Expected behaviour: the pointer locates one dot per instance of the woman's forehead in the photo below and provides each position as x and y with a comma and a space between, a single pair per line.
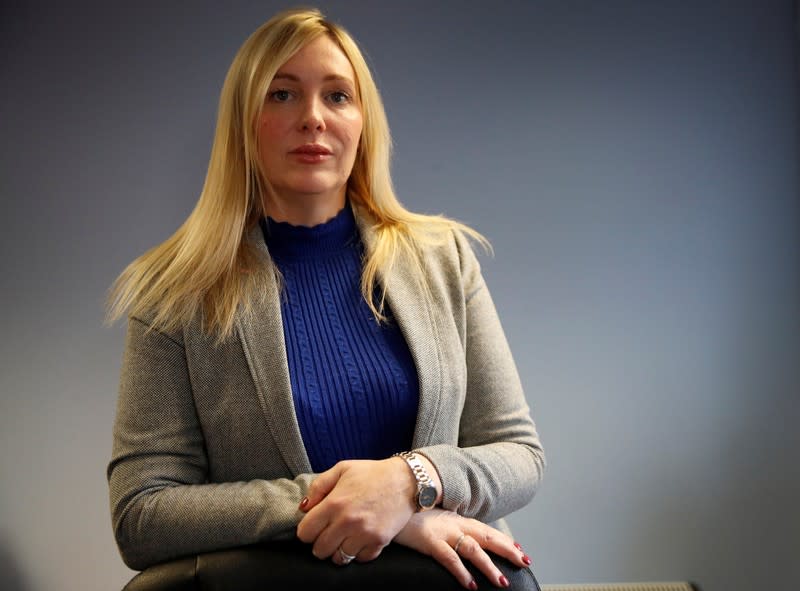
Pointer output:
321, 58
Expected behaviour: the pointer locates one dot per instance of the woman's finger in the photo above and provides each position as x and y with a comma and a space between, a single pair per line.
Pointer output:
326, 543
470, 549
312, 525
369, 553
342, 555
320, 487
496, 542
444, 554
332, 539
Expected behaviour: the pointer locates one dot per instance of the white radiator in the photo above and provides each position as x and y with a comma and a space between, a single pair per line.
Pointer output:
622, 587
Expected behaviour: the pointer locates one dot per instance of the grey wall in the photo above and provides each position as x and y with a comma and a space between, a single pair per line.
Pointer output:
635, 164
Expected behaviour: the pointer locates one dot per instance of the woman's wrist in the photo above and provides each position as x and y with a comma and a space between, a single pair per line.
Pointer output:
424, 476
433, 473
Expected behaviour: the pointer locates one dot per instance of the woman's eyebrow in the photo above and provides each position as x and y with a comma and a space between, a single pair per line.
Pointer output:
294, 78
283, 76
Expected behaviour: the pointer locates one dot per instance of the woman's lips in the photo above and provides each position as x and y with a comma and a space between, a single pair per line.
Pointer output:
311, 153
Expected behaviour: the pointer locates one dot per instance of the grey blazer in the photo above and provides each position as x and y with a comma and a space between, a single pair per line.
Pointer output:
207, 450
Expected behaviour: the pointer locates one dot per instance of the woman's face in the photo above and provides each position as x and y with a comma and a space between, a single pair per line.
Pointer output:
308, 132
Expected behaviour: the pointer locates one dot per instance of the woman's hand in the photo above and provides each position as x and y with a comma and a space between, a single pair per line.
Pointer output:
448, 538
356, 508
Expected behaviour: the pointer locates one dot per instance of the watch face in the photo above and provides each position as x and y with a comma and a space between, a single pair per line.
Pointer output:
427, 497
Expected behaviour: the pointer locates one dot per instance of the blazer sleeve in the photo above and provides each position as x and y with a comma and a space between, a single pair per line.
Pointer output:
498, 463
162, 504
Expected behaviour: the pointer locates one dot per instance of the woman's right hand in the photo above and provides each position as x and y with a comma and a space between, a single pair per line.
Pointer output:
449, 538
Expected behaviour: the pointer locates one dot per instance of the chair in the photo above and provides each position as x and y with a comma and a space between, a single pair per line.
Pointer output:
290, 565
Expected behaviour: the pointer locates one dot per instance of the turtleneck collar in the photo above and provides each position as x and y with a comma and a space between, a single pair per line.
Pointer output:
285, 240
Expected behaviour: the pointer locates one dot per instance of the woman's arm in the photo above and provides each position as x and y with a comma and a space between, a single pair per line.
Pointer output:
497, 465
498, 462
162, 505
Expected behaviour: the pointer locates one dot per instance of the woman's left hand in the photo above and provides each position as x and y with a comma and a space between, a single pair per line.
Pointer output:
356, 508
449, 539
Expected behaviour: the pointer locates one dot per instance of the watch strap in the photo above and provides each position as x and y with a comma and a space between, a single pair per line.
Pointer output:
421, 475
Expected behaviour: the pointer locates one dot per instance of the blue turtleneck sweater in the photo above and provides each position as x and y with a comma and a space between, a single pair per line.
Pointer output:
354, 382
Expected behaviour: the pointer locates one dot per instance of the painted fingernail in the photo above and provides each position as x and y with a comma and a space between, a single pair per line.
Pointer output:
304, 502
517, 546
504, 581
473, 585
526, 559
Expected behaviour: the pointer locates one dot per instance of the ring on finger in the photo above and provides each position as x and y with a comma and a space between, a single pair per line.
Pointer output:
458, 542
346, 558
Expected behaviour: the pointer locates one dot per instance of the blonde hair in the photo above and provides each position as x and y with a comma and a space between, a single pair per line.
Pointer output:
205, 267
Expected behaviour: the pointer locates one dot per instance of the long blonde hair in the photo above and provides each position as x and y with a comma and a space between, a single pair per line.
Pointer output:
203, 268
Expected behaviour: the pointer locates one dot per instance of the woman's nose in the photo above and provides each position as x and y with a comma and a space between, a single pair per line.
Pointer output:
312, 117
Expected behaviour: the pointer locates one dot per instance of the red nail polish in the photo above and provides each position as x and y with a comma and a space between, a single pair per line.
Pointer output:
304, 502
517, 546
504, 581
473, 585
526, 559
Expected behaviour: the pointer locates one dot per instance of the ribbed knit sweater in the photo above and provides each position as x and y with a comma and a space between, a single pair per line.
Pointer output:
354, 383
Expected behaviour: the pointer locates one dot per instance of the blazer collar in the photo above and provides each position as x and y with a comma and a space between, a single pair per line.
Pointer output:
261, 333
414, 316
260, 330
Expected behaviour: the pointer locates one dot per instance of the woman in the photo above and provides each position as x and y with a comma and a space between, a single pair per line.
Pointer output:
301, 329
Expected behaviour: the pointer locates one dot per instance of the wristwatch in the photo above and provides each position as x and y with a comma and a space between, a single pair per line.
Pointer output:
426, 489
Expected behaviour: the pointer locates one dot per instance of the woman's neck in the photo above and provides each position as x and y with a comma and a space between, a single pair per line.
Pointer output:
307, 210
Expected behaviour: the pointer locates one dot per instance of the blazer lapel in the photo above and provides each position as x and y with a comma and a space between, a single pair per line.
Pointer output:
261, 334
408, 304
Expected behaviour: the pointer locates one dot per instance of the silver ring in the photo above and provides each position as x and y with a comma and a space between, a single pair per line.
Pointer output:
346, 558
458, 542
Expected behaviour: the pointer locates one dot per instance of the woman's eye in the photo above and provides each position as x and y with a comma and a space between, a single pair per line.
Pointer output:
280, 96
339, 97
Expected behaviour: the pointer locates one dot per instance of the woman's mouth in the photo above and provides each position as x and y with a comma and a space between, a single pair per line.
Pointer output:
311, 153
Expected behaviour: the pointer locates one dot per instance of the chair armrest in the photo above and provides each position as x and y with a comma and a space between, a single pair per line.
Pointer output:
290, 565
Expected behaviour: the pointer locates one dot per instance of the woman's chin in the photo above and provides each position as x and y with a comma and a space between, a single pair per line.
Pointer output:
314, 188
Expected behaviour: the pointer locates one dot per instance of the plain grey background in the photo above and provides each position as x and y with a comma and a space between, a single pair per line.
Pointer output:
634, 163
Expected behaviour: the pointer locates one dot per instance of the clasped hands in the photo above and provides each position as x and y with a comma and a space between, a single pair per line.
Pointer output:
356, 508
